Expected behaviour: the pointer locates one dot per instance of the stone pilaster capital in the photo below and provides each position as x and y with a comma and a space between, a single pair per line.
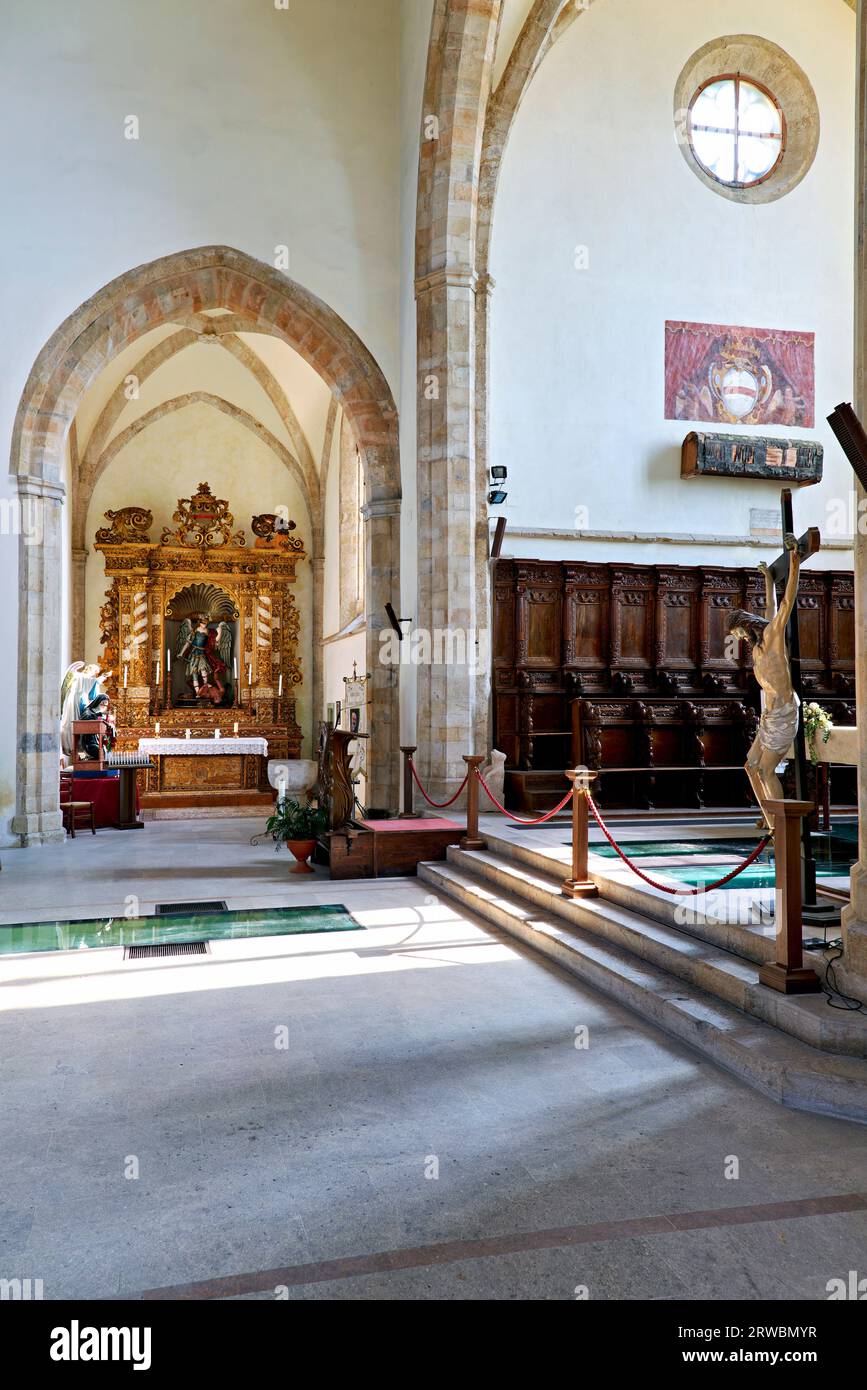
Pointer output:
51, 489
446, 277
381, 506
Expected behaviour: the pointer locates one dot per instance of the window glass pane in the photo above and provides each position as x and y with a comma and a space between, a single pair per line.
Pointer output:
720, 134
755, 158
758, 114
716, 152
716, 106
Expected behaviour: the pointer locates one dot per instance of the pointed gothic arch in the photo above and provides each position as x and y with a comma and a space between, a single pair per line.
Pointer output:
262, 300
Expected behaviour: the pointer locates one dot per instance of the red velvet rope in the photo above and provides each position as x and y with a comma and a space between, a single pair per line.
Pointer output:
520, 821
676, 892
440, 805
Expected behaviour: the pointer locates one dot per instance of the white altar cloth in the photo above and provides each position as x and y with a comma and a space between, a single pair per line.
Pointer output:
204, 747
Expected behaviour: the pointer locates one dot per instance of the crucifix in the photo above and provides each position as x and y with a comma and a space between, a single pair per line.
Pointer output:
778, 573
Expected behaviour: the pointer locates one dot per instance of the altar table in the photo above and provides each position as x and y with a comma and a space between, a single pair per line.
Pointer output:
207, 768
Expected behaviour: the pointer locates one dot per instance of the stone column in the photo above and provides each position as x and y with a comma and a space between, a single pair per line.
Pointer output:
855, 916
447, 526
37, 819
382, 585
317, 711
79, 568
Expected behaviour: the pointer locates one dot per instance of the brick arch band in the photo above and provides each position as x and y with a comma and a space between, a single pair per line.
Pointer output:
161, 292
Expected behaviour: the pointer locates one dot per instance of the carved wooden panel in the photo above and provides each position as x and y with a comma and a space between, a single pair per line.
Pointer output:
202, 773
587, 592
538, 615
632, 618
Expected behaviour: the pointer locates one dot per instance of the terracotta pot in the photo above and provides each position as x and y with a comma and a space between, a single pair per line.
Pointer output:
302, 850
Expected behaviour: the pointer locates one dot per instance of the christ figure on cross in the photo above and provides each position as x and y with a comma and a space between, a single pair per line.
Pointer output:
766, 638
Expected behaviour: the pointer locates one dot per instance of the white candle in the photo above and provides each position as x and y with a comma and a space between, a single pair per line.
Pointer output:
157, 727
235, 727
216, 733
280, 686
159, 671
186, 733
125, 676
250, 673
168, 659
235, 667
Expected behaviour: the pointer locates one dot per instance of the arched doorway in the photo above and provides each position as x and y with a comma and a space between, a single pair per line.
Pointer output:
166, 291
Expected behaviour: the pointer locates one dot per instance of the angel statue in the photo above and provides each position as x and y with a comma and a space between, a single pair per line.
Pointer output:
82, 685
207, 650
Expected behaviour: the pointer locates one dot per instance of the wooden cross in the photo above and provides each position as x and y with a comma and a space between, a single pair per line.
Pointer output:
808, 545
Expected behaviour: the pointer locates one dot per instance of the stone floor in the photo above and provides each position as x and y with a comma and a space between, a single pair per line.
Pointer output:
429, 1129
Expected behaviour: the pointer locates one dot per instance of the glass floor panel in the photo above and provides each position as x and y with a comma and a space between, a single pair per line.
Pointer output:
95, 932
834, 855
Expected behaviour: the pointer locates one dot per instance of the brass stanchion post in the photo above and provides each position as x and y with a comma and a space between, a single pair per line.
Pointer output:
580, 885
471, 839
407, 813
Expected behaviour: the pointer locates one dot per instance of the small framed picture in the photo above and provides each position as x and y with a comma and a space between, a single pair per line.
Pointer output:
354, 720
338, 707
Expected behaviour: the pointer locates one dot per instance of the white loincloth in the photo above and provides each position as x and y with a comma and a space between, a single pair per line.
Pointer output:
778, 726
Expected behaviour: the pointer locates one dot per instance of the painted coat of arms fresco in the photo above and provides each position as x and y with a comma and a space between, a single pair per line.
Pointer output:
739, 376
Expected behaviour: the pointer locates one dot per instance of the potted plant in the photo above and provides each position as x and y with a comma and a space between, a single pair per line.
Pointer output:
296, 826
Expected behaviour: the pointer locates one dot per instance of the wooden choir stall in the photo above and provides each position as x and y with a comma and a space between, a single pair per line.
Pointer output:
629, 670
200, 632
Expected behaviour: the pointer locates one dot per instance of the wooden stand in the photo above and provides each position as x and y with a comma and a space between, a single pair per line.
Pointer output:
471, 839
788, 974
95, 727
126, 811
580, 885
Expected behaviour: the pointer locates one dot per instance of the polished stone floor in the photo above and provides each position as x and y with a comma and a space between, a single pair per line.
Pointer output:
398, 1113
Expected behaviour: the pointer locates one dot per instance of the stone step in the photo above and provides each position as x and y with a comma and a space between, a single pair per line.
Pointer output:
638, 897
728, 977
775, 1063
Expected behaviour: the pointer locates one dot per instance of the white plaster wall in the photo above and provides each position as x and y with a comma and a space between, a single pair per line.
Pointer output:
259, 127
169, 460
337, 663
578, 356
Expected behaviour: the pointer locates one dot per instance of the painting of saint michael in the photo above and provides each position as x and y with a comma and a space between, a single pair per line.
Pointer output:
739, 376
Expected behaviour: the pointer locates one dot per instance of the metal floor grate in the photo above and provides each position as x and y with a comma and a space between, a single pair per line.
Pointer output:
182, 909
166, 948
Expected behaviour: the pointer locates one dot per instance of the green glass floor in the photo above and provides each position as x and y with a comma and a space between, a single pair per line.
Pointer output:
95, 932
834, 855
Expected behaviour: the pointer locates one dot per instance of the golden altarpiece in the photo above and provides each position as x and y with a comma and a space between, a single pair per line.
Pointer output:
201, 583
